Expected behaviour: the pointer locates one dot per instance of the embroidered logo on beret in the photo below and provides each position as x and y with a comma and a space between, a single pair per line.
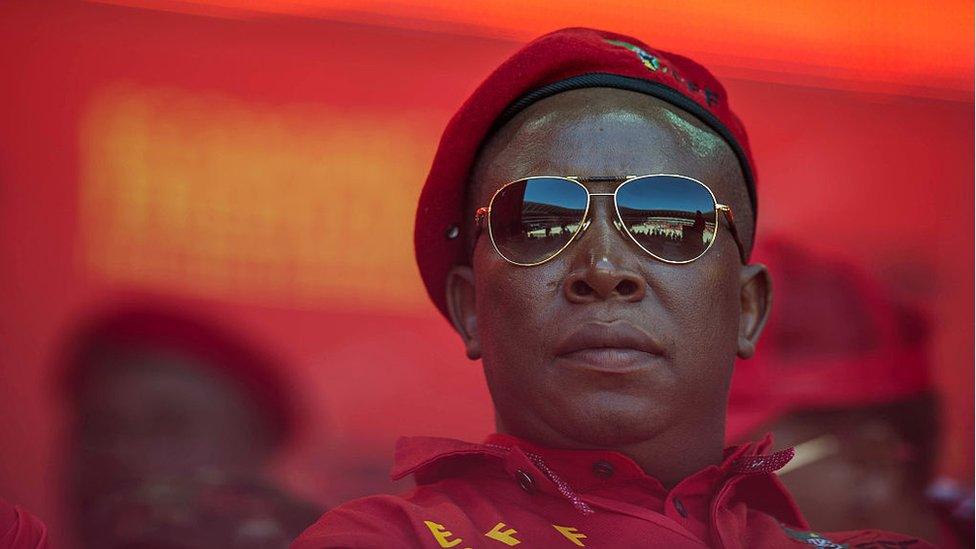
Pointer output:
650, 61
653, 63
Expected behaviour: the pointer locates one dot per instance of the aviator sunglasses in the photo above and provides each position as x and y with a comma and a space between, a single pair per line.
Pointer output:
674, 218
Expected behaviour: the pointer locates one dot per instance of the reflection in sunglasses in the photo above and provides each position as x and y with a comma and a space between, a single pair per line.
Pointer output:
674, 229
541, 221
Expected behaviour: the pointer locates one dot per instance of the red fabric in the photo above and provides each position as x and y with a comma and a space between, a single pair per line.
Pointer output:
20, 529
477, 495
834, 339
551, 58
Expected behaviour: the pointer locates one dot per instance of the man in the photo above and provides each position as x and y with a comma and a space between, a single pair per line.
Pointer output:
577, 229
854, 398
175, 420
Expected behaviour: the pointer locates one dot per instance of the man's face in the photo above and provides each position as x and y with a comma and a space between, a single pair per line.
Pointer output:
152, 413
604, 345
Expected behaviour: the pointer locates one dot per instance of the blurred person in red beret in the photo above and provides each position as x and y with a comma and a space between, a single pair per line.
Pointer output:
586, 228
842, 375
174, 421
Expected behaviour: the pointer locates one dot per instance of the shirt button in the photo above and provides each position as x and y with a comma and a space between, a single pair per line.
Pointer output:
603, 469
680, 507
525, 481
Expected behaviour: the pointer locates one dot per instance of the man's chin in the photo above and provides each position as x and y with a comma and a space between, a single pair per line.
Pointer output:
613, 427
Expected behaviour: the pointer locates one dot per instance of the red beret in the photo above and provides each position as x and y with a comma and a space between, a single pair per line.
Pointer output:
834, 339
163, 326
560, 61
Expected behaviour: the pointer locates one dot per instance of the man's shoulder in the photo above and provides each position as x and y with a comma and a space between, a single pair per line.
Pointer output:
373, 521
386, 521
859, 539
868, 539
452, 480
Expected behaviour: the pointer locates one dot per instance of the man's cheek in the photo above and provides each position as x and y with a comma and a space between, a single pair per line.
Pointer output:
507, 292
707, 317
500, 314
714, 294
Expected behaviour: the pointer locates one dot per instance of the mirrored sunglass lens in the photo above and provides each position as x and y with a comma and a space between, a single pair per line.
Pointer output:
672, 217
531, 220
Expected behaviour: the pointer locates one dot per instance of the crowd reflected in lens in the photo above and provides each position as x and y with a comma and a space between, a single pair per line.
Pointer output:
533, 219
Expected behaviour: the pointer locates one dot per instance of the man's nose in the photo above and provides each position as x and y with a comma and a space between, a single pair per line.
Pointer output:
603, 262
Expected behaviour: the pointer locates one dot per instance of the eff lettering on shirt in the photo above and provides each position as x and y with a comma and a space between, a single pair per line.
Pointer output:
499, 533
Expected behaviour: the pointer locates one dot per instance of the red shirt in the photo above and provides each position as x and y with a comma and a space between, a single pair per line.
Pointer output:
507, 491
20, 529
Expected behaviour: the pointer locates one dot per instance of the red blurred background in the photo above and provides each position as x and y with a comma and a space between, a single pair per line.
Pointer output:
257, 164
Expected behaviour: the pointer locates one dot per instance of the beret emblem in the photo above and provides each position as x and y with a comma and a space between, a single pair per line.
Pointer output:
654, 64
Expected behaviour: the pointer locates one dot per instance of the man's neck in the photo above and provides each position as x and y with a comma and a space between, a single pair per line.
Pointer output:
672, 457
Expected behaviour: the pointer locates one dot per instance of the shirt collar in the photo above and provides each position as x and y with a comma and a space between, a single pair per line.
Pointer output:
576, 474
419, 455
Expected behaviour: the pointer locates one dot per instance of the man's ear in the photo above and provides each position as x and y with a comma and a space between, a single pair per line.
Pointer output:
461, 307
756, 296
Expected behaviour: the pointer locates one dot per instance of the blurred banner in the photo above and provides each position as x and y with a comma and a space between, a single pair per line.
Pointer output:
255, 166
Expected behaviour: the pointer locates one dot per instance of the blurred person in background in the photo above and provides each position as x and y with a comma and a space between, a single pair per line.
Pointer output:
174, 422
577, 230
842, 375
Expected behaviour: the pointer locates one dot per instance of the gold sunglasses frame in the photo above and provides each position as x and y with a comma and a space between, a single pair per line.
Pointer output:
482, 217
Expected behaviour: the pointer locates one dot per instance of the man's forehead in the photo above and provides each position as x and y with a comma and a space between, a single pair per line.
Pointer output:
601, 131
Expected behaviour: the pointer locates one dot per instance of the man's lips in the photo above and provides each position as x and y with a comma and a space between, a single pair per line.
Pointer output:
616, 347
